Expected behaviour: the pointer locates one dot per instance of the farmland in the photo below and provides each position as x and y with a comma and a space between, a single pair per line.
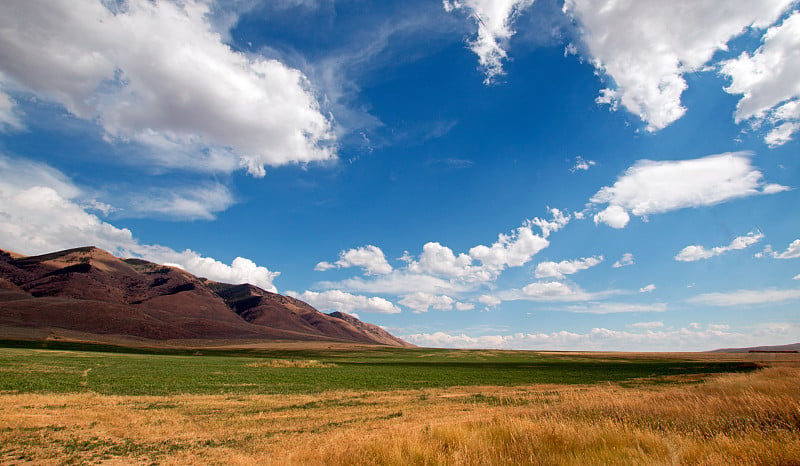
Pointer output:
72, 403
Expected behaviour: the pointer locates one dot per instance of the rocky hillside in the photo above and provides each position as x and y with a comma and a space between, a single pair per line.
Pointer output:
90, 291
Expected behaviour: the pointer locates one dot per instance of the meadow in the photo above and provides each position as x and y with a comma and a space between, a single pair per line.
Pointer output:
74, 404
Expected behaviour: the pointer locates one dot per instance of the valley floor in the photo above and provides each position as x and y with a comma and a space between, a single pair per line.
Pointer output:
735, 418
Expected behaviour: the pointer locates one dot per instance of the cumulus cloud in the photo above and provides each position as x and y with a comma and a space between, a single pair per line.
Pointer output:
745, 297
696, 252
438, 269
792, 252
323, 266
559, 221
690, 338
624, 261
560, 269
370, 258
647, 289
613, 216
398, 282
489, 300
582, 164
336, 300
512, 250
43, 211
551, 291
440, 260
495, 19
157, 73
464, 306
650, 187
646, 46
421, 302
767, 81
241, 270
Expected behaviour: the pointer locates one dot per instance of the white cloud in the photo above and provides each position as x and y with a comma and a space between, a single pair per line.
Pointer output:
553, 291
439, 270
696, 252
745, 297
370, 258
767, 81
690, 338
185, 203
797, 277
241, 270
650, 187
613, 216
512, 250
42, 212
782, 134
323, 266
560, 269
494, 19
157, 73
9, 116
397, 282
718, 327
647, 325
792, 252
582, 164
647, 289
336, 300
440, 260
615, 308
489, 300
548, 291
646, 46
767, 252
421, 302
464, 306
624, 261
559, 221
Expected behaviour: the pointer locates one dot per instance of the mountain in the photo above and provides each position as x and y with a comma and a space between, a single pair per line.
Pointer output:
794, 347
90, 291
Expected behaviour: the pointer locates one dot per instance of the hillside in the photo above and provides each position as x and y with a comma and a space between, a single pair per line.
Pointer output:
795, 347
90, 291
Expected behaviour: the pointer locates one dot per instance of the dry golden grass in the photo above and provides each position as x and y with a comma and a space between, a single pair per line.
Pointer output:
731, 419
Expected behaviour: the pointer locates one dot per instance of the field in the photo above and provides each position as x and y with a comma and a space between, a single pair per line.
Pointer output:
73, 404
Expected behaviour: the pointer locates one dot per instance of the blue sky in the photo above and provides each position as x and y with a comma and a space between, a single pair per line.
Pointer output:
610, 175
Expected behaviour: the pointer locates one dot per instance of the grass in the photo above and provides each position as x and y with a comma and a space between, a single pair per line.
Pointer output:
55, 371
394, 407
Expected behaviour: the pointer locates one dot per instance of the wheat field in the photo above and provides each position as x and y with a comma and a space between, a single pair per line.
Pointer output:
743, 418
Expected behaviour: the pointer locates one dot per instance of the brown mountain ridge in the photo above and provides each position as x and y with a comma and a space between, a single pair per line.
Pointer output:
88, 291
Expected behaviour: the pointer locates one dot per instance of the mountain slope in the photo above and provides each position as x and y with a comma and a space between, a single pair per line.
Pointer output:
91, 291
794, 347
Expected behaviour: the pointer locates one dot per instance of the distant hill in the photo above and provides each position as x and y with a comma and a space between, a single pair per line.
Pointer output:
89, 291
781, 348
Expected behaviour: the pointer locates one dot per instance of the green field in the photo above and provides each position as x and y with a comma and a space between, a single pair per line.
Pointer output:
70, 368
73, 403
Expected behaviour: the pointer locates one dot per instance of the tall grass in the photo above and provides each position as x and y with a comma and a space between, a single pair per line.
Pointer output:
733, 419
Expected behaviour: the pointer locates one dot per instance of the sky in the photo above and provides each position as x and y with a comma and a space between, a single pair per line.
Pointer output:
521, 174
